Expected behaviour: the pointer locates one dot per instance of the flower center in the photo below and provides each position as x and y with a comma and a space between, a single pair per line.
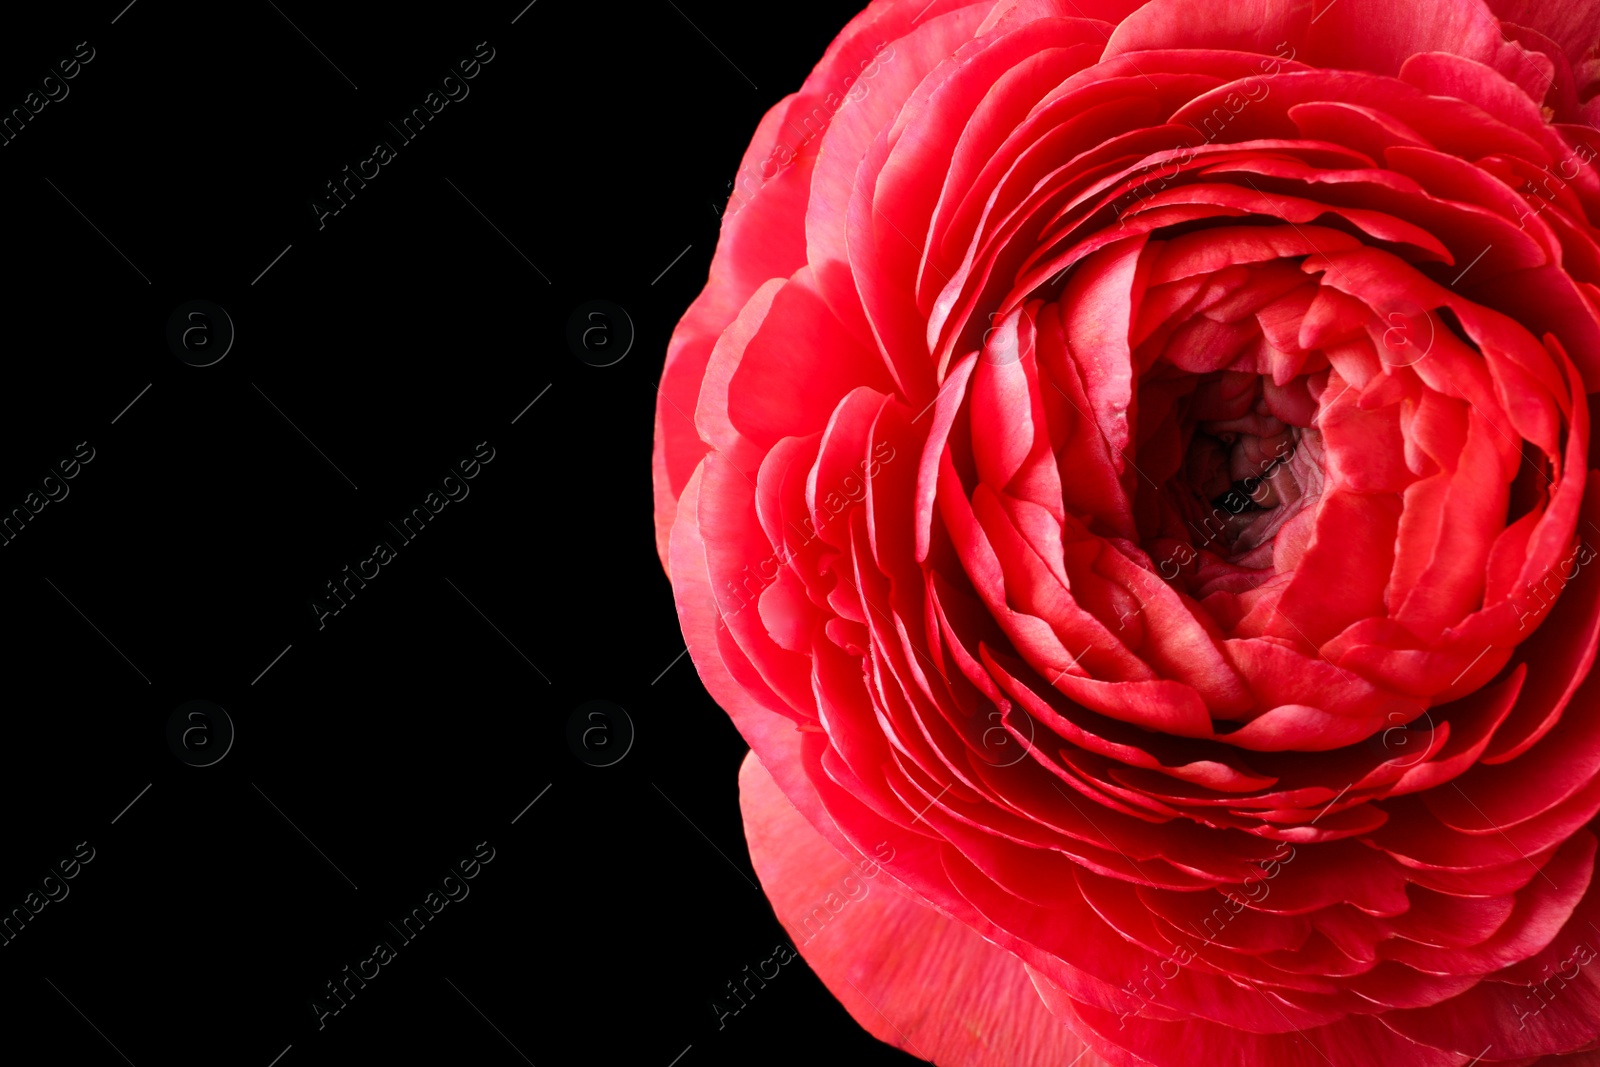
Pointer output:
1245, 473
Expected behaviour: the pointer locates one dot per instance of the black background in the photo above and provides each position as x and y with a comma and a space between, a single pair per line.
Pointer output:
371, 355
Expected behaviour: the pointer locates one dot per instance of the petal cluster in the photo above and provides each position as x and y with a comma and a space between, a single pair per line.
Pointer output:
1133, 463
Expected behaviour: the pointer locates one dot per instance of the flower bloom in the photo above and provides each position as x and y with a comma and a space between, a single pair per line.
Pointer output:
1130, 464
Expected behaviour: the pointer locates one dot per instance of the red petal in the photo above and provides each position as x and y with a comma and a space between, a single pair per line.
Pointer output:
910, 976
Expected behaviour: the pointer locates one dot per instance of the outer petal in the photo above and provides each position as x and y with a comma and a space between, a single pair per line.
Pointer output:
763, 237
910, 976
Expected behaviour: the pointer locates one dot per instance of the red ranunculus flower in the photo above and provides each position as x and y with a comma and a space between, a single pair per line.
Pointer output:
1127, 477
